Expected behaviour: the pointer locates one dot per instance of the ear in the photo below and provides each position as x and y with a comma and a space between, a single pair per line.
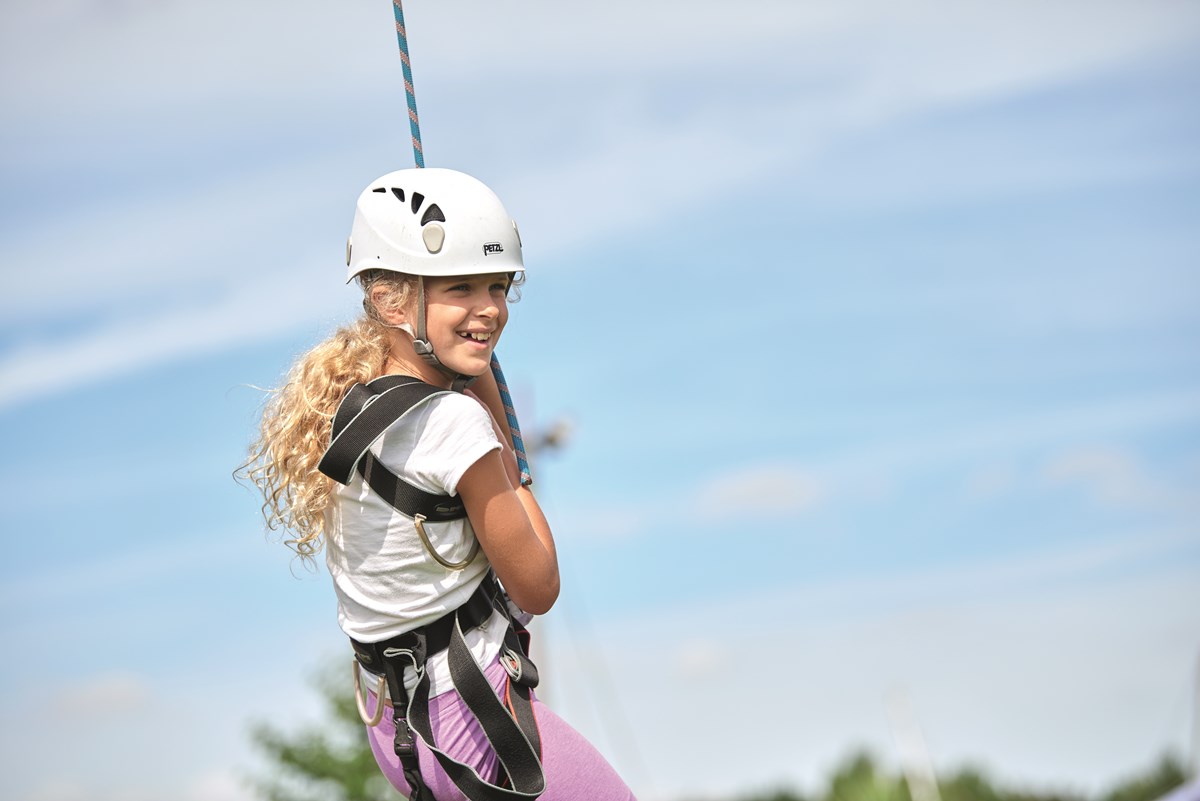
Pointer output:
391, 316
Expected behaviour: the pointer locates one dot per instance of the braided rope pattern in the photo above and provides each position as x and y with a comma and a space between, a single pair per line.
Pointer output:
511, 414
409, 93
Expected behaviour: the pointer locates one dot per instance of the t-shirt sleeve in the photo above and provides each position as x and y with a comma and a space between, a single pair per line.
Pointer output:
455, 434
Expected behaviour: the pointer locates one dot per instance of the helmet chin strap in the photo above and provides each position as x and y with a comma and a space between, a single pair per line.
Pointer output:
423, 348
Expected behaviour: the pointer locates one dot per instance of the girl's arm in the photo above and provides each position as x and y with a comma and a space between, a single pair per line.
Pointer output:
512, 531
507, 519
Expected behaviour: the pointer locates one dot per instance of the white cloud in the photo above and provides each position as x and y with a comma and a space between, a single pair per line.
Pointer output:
756, 491
218, 785
41, 368
701, 657
905, 48
600, 523
1000, 436
107, 695
990, 481
96, 577
1108, 474
61, 790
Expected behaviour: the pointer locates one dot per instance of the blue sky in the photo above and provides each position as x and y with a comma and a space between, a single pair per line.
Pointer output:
875, 326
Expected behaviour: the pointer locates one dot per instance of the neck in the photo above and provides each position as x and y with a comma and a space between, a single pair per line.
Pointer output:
402, 360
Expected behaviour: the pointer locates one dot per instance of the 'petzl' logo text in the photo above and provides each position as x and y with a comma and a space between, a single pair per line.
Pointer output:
492, 247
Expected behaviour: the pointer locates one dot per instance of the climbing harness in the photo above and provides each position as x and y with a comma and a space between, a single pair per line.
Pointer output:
364, 414
509, 725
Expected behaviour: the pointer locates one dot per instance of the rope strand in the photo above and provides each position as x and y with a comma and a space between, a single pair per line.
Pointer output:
511, 414
410, 94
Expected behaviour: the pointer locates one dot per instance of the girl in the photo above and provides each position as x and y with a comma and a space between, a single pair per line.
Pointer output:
429, 507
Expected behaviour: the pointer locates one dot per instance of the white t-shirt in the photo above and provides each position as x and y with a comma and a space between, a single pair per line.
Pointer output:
385, 581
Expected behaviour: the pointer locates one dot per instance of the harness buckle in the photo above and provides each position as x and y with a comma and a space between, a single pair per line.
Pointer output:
404, 744
513, 664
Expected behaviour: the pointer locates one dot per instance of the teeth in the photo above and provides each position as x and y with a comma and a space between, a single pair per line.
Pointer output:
479, 337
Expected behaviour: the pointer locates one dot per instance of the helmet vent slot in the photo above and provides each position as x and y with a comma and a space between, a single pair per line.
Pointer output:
432, 213
417, 200
399, 193
380, 189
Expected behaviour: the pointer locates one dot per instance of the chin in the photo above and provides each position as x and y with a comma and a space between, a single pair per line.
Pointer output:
473, 368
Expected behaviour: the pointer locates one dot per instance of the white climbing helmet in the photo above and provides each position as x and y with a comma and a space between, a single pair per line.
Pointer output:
432, 222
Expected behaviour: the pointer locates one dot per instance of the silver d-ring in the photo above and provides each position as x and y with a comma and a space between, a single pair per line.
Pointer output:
361, 701
419, 521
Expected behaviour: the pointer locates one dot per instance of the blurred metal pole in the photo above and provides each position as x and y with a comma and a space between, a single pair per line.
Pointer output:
1194, 771
541, 441
914, 755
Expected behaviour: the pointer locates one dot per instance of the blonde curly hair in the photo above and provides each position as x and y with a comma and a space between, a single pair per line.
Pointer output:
296, 420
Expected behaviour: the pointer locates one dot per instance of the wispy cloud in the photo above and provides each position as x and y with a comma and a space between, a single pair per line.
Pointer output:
103, 696
1110, 475
768, 490
790, 82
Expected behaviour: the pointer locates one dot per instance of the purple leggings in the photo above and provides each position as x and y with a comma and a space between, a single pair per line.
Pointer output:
574, 769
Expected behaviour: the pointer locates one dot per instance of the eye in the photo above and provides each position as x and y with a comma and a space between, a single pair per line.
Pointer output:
500, 286
463, 287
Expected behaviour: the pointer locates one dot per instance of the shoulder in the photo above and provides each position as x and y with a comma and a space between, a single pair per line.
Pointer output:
454, 408
455, 421
455, 431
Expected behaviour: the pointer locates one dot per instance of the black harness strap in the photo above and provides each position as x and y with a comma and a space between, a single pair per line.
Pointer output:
513, 735
363, 415
518, 750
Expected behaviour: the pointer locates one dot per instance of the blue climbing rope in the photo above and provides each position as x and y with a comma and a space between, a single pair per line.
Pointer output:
410, 94
511, 414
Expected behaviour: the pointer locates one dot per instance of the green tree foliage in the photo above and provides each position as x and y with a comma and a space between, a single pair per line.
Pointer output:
860, 778
332, 762
327, 762
1155, 783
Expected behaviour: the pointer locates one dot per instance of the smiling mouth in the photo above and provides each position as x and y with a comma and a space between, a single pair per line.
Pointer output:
480, 336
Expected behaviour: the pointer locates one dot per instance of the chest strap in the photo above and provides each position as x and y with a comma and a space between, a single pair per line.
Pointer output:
366, 412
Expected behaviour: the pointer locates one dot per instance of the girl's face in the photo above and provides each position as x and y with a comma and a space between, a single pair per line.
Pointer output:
464, 316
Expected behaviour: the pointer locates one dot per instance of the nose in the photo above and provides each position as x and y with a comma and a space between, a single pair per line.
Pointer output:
487, 306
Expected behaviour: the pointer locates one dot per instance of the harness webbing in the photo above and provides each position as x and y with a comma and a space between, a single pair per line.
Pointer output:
509, 723
366, 412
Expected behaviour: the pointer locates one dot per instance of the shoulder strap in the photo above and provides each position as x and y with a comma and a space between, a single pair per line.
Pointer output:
363, 415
